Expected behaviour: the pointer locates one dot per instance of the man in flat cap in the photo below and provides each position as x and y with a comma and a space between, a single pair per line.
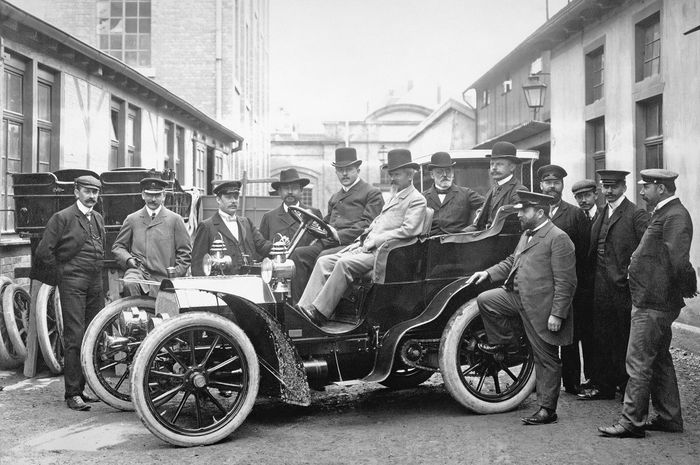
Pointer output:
244, 243
504, 160
573, 222
350, 211
401, 218
279, 222
454, 206
151, 240
585, 193
614, 236
72, 251
539, 281
657, 276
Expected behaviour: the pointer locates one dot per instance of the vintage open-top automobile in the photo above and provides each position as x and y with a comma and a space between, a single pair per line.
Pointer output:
193, 361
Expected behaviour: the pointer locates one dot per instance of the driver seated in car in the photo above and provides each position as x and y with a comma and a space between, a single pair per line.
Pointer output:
402, 217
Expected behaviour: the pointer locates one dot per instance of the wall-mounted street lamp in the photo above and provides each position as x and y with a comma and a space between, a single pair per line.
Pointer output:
534, 95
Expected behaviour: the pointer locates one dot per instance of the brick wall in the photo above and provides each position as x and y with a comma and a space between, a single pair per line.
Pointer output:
13, 256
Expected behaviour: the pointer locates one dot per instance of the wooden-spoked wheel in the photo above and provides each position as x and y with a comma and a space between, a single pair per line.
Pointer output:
49, 327
15, 308
9, 355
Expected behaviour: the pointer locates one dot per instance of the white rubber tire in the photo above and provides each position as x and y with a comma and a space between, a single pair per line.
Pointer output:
9, 357
50, 334
16, 319
149, 349
91, 339
450, 367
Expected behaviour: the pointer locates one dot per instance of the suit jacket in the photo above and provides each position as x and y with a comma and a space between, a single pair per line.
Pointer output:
278, 221
401, 218
351, 212
657, 264
455, 213
157, 243
251, 243
627, 226
496, 197
572, 220
545, 275
64, 236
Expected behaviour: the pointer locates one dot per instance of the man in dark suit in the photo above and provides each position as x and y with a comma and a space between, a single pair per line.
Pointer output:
573, 222
585, 192
453, 206
244, 243
615, 234
539, 286
151, 240
504, 160
279, 222
657, 270
350, 211
72, 250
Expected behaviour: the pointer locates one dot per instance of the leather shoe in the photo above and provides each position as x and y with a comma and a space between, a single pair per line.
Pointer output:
88, 398
619, 431
77, 403
498, 348
657, 424
595, 394
316, 317
541, 417
572, 389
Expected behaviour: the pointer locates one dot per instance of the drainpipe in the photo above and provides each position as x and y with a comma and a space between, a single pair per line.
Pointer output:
219, 53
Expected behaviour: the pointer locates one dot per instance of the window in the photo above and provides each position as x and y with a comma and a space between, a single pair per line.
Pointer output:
507, 85
12, 127
115, 134
595, 146
199, 163
169, 143
307, 196
124, 30
133, 137
595, 64
652, 144
218, 165
180, 154
536, 66
45, 110
648, 47
485, 98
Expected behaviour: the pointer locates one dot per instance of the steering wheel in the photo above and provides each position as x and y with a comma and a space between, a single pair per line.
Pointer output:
313, 224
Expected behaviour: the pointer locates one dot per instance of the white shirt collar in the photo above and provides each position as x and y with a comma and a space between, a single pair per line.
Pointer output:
351, 185
286, 207
226, 217
504, 180
540, 226
616, 203
593, 210
156, 211
664, 202
83, 209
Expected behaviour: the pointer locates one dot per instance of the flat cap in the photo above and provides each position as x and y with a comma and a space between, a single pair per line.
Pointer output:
551, 172
504, 150
656, 176
227, 187
612, 176
88, 181
153, 185
533, 199
584, 185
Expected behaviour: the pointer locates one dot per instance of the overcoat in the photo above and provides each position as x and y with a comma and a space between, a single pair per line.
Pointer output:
496, 197
251, 243
279, 221
545, 276
456, 212
657, 264
574, 223
352, 211
158, 243
401, 218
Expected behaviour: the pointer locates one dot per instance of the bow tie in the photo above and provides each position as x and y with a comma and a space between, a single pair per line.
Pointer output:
529, 232
442, 191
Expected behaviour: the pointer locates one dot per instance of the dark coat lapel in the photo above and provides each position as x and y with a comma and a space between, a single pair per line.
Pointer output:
285, 217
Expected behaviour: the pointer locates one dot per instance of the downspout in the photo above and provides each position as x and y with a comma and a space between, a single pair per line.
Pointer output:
219, 59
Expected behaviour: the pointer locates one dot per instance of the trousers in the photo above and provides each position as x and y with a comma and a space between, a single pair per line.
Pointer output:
304, 259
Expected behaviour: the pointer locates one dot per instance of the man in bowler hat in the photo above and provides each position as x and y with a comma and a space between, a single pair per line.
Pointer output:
279, 222
454, 206
72, 250
350, 211
502, 166
151, 240
401, 218
539, 281
656, 276
244, 243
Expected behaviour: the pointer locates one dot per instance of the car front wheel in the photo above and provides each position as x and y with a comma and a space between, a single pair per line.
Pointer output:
482, 382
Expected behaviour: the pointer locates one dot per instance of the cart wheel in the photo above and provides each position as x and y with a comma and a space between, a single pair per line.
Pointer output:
195, 379
479, 381
49, 327
15, 309
9, 357
107, 351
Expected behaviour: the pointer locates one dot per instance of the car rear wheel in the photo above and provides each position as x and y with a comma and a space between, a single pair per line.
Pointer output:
482, 382
49, 327
195, 379
108, 350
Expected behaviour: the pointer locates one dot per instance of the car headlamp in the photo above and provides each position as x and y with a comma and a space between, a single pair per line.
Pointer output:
266, 270
216, 262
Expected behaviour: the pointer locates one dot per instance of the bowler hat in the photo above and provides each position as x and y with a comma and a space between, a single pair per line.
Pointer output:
612, 176
533, 199
289, 176
657, 176
504, 150
551, 172
88, 181
399, 158
346, 156
153, 185
227, 187
584, 185
440, 160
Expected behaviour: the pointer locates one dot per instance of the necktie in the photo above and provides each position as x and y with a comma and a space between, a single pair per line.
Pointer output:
588, 214
88, 215
153, 216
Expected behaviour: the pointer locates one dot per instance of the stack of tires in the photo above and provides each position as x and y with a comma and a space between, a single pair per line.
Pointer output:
14, 323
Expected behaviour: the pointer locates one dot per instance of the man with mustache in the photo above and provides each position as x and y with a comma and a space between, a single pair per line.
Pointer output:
504, 160
573, 222
279, 222
70, 255
401, 218
151, 240
350, 211
614, 236
453, 206
539, 281
585, 193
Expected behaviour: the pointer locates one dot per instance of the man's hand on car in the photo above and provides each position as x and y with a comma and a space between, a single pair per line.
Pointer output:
477, 278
